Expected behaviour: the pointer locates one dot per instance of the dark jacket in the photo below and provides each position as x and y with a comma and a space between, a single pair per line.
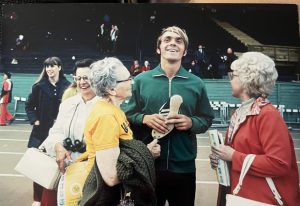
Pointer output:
201, 58
135, 169
42, 105
150, 91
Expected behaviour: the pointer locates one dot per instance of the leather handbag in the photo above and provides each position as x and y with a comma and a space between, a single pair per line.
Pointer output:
234, 200
39, 167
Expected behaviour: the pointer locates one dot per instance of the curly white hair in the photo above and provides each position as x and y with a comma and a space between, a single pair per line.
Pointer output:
256, 72
103, 75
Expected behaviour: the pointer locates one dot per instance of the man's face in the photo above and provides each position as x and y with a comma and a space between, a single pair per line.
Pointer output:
172, 47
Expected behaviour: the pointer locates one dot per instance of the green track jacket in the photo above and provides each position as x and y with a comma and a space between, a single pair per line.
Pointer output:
150, 91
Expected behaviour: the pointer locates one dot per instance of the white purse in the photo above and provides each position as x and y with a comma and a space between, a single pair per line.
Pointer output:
234, 200
39, 167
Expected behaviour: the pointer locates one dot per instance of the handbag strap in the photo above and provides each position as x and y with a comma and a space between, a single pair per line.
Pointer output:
274, 190
246, 166
72, 122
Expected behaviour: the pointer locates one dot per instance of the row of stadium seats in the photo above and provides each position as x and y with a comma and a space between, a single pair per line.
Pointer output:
224, 110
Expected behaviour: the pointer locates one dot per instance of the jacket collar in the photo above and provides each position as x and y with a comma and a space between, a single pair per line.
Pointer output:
47, 87
78, 99
182, 73
253, 110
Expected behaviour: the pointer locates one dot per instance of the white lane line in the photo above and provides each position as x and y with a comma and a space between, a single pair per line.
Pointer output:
16, 140
202, 160
203, 146
12, 153
11, 175
197, 182
206, 146
14, 130
207, 160
207, 182
201, 137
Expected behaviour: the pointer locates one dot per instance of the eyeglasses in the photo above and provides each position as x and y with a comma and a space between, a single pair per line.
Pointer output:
78, 78
231, 75
125, 80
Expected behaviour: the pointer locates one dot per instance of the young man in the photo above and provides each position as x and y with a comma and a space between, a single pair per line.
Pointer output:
151, 90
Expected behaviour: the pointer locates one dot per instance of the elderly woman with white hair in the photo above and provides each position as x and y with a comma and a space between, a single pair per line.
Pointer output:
257, 128
107, 123
107, 126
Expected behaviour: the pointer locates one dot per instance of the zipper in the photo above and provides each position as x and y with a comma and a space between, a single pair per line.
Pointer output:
170, 92
170, 81
168, 154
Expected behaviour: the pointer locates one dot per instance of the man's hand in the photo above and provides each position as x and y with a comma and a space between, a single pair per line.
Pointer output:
180, 121
223, 152
37, 122
61, 155
156, 122
154, 148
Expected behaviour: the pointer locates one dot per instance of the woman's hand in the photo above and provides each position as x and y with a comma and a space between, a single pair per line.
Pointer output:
154, 148
61, 155
223, 152
213, 161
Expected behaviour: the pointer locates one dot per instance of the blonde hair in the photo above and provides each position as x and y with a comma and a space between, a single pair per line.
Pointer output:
177, 30
256, 72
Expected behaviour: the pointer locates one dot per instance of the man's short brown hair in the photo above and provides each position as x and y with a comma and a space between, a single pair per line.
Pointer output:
177, 30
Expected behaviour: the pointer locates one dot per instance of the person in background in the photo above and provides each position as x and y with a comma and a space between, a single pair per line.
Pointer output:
101, 36
5, 99
65, 140
42, 107
135, 69
219, 65
201, 60
175, 168
114, 35
192, 67
229, 58
258, 128
146, 66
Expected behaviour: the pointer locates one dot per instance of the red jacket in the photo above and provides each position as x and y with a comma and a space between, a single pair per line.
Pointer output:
6, 92
267, 136
145, 68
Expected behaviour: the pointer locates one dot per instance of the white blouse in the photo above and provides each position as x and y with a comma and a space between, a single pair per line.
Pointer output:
70, 122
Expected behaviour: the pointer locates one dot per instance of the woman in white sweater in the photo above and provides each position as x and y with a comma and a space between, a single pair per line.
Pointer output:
65, 139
